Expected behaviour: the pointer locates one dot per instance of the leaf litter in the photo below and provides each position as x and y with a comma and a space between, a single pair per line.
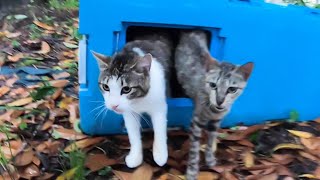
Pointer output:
39, 116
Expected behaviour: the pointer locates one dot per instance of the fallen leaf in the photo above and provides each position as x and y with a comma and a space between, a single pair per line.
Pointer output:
207, 175
64, 104
317, 172
272, 176
310, 176
308, 156
20, 16
311, 143
4, 90
56, 94
13, 35
21, 102
70, 45
68, 175
11, 81
61, 75
73, 112
15, 57
68, 134
122, 175
24, 158
144, 172
59, 83
48, 124
83, 143
45, 176
36, 161
229, 176
301, 134
43, 25
248, 159
287, 146
96, 162
45, 48
30, 171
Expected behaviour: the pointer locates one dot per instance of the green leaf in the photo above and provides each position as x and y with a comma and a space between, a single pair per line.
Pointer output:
15, 44
69, 45
55, 134
23, 125
294, 116
253, 137
20, 16
42, 92
105, 171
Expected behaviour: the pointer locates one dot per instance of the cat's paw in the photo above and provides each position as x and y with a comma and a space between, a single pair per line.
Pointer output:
160, 154
133, 159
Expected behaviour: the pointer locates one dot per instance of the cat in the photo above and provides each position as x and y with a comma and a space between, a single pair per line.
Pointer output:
133, 81
212, 85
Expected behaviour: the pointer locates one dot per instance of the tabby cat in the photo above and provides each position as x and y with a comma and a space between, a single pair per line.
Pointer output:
133, 82
212, 85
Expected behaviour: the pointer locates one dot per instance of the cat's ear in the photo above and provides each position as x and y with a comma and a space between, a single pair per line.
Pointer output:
144, 63
246, 69
210, 62
102, 60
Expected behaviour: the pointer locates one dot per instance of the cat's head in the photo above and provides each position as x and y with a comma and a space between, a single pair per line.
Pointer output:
225, 82
123, 78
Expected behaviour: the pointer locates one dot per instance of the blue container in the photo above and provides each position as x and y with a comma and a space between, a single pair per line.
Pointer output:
284, 43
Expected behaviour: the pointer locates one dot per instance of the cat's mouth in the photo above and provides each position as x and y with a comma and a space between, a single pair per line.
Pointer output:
217, 108
118, 111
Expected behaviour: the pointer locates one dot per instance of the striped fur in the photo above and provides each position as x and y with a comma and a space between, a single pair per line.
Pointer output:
213, 86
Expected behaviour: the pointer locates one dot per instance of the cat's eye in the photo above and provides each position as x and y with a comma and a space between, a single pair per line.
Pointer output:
105, 87
232, 90
213, 85
125, 90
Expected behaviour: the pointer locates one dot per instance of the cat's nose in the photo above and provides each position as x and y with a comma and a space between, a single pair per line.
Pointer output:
114, 107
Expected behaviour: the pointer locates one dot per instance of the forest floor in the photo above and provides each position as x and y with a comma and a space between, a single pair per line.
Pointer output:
39, 116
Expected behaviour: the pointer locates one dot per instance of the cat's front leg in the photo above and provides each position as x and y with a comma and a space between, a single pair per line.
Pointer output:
211, 129
135, 156
160, 149
194, 152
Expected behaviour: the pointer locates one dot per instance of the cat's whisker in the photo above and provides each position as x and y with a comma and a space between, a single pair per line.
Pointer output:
141, 116
96, 108
104, 115
97, 101
138, 121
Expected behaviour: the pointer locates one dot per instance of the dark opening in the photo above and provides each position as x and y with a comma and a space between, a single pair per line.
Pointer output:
138, 32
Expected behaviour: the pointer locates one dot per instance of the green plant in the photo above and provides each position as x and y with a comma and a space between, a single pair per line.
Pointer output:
4, 162
35, 32
15, 43
77, 161
64, 4
42, 92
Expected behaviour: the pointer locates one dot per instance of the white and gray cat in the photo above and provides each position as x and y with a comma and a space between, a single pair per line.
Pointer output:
133, 82
213, 86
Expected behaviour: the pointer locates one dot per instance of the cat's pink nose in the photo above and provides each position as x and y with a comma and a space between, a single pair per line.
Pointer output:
114, 107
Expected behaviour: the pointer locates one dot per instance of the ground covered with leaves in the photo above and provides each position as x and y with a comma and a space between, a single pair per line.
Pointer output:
39, 116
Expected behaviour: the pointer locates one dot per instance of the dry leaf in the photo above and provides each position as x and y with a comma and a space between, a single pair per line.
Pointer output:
73, 112
96, 162
4, 90
68, 134
30, 171
207, 175
301, 134
83, 143
36, 161
248, 159
229, 176
287, 146
310, 176
61, 75
311, 143
45, 48
317, 172
11, 81
24, 158
144, 172
59, 83
308, 156
68, 175
122, 175
13, 35
15, 57
272, 176
21, 102
56, 94
43, 25
64, 104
